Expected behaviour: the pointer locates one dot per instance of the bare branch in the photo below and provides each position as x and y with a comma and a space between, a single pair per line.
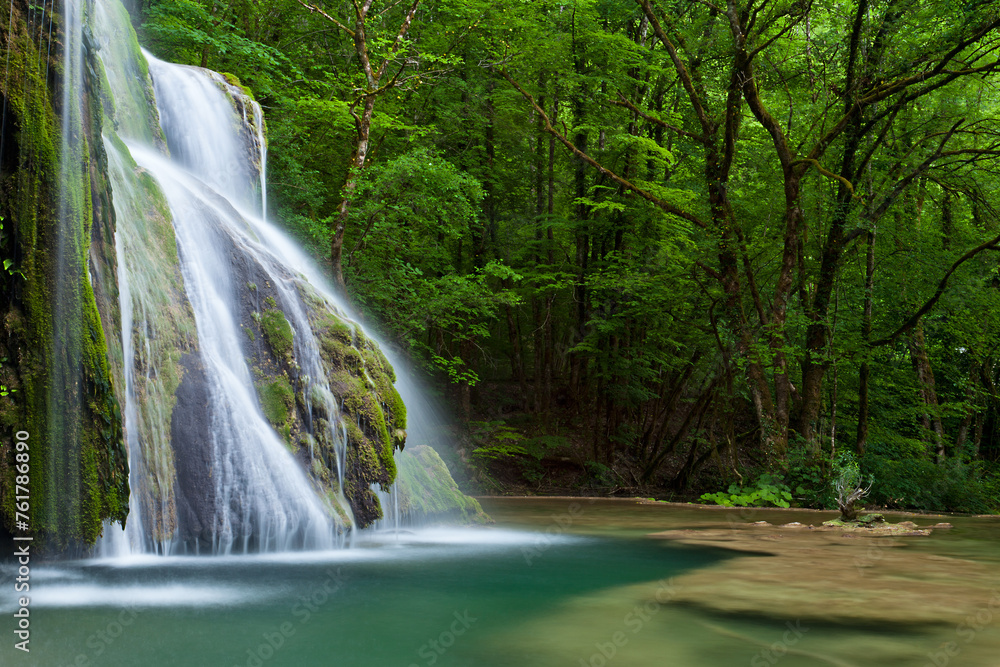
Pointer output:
992, 244
623, 102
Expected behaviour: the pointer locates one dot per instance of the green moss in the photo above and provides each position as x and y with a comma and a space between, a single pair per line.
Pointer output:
319, 470
234, 80
372, 411
398, 408
386, 449
278, 333
334, 502
355, 436
307, 441
276, 400
146, 233
66, 399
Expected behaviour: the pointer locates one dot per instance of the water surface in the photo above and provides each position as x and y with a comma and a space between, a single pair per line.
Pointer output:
556, 582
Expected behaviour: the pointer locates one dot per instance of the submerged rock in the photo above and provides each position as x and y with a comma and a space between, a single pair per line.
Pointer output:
876, 525
820, 577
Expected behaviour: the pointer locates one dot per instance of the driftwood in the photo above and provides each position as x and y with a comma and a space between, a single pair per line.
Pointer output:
849, 492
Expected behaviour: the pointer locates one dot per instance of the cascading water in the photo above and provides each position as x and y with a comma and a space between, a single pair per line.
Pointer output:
260, 416
64, 409
256, 496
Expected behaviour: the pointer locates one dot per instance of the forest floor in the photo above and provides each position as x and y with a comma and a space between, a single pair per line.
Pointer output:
511, 448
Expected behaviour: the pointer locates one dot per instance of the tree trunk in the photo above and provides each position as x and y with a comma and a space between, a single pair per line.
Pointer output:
925, 376
363, 125
864, 373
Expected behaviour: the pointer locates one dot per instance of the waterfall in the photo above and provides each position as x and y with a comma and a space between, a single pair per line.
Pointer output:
191, 190
259, 414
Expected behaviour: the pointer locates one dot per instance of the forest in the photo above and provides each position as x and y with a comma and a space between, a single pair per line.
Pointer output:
653, 247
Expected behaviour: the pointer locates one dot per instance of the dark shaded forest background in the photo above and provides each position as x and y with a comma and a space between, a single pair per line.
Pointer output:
653, 247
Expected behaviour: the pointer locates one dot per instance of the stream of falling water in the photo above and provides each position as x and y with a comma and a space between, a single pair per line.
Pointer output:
213, 182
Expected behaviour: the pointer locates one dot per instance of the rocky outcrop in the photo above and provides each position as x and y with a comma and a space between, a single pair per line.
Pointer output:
322, 384
428, 494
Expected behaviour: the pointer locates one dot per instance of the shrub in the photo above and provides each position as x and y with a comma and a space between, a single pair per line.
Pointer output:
769, 491
919, 483
849, 485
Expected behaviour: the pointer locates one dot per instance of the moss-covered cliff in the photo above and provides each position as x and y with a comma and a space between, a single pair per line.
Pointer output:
63, 366
368, 417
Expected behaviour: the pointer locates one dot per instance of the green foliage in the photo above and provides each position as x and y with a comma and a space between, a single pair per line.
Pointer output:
599, 474
810, 476
495, 441
189, 30
410, 219
490, 253
846, 471
767, 491
919, 483
849, 485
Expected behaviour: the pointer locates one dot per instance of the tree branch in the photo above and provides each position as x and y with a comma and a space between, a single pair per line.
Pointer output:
648, 196
992, 244
317, 10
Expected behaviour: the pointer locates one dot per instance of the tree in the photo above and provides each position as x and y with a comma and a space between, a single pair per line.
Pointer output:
379, 78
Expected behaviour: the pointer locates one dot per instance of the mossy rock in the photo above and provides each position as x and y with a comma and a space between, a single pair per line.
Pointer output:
234, 80
428, 493
277, 400
278, 333
66, 363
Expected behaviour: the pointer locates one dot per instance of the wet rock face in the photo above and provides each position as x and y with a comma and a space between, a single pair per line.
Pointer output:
190, 427
79, 472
